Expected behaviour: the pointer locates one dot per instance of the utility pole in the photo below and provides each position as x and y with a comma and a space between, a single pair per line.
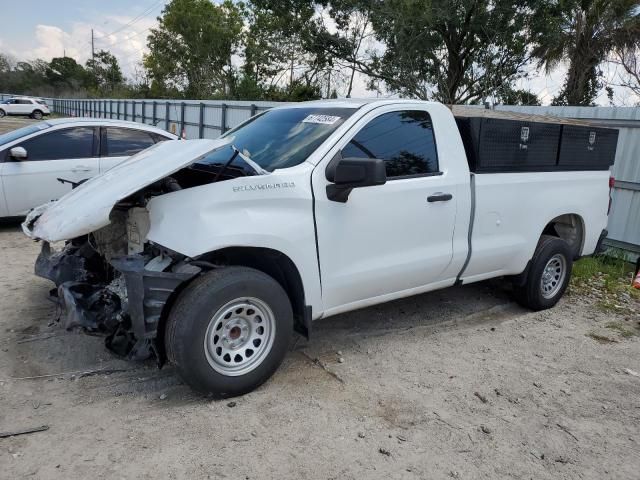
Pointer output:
93, 52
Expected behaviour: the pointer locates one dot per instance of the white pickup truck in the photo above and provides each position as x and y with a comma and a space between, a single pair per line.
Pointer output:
210, 253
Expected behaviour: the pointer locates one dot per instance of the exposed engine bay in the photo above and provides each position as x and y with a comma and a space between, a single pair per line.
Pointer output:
113, 281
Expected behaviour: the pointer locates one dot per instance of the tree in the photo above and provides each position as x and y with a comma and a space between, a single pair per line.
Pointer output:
514, 96
5, 65
278, 47
192, 46
346, 44
454, 51
584, 33
629, 60
65, 73
103, 72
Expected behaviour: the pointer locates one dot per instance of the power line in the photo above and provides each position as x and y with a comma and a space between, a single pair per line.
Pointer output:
129, 37
144, 14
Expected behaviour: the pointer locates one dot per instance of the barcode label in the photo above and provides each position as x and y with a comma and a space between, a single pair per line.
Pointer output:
323, 119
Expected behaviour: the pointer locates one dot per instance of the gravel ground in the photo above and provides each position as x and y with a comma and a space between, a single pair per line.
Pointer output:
460, 383
11, 123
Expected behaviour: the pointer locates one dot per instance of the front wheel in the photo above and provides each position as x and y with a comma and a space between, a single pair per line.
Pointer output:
548, 275
2, 113
229, 331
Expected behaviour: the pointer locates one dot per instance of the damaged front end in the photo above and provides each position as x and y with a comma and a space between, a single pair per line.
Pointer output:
109, 278
112, 286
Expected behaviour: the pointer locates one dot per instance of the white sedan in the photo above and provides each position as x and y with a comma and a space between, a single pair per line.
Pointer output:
43, 161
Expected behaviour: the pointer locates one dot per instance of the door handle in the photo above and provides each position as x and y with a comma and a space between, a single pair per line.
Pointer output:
439, 197
80, 168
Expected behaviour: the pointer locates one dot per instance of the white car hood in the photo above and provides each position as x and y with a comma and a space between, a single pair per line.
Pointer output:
86, 208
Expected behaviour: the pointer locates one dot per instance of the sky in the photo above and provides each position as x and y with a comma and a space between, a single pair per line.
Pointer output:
46, 29
52, 28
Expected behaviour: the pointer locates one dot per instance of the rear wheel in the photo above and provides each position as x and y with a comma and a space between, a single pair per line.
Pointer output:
229, 331
37, 114
548, 274
2, 113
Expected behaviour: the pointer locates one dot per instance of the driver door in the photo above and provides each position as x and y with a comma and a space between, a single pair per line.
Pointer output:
391, 240
69, 154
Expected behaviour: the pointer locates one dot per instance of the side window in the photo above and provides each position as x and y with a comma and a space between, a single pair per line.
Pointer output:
159, 138
61, 145
404, 140
23, 102
122, 142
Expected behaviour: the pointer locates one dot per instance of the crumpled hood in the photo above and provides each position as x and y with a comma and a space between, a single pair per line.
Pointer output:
87, 207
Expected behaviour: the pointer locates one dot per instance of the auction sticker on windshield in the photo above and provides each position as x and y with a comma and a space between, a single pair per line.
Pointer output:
324, 119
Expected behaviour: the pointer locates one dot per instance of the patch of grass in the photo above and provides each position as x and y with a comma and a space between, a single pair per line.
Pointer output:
601, 338
608, 280
624, 329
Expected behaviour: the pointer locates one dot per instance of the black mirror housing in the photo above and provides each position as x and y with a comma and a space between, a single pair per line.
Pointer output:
345, 174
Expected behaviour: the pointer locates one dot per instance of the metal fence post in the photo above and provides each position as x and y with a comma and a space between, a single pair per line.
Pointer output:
182, 107
253, 109
201, 122
223, 118
166, 117
144, 111
153, 114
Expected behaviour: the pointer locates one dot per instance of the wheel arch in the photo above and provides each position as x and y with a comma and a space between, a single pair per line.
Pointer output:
275, 264
269, 261
570, 227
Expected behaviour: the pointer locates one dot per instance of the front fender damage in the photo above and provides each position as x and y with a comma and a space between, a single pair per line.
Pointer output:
122, 298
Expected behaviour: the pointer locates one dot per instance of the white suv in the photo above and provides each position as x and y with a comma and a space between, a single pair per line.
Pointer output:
24, 106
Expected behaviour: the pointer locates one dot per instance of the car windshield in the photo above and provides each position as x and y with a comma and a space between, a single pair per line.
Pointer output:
22, 132
278, 138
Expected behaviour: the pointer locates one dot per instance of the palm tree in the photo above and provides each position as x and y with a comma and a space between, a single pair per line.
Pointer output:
584, 33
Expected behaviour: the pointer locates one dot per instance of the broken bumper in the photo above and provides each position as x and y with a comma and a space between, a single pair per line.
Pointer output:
128, 309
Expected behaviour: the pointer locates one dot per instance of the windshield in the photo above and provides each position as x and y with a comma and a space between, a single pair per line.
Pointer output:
22, 132
278, 138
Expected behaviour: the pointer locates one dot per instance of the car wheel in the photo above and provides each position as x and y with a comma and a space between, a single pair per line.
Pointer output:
548, 275
2, 113
229, 331
37, 114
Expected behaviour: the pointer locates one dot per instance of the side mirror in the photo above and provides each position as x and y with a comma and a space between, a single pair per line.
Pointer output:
345, 174
18, 153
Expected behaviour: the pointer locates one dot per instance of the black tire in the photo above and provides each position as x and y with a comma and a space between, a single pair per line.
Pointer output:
200, 304
37, 115
2, 113
532, 293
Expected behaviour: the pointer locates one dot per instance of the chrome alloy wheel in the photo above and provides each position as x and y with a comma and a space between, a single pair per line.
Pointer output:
239, 336
553, 276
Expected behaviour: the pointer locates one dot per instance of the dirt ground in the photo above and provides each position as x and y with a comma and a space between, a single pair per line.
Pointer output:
460, 383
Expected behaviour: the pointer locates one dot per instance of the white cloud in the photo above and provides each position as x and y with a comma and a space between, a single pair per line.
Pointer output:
126, 42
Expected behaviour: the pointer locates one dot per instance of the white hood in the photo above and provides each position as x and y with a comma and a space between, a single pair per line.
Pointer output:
86, 208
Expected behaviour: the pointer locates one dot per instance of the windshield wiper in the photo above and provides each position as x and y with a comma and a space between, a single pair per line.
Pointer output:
257, 168
237, 153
